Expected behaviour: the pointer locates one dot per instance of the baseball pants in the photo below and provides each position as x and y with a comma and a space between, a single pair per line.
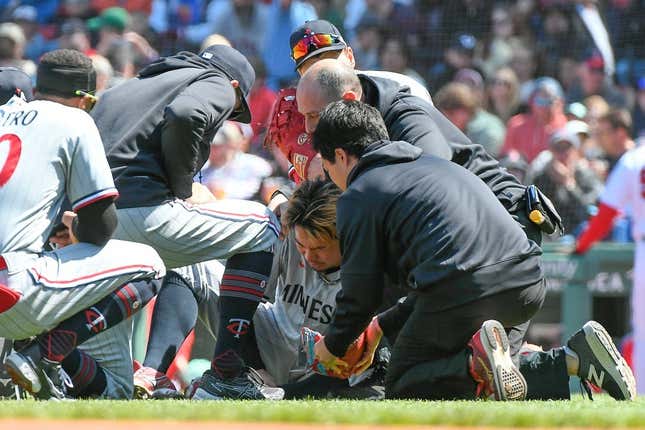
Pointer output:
430, 357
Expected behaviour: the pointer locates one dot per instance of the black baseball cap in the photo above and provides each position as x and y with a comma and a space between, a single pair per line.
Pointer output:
13, 81
310, 28
236, 67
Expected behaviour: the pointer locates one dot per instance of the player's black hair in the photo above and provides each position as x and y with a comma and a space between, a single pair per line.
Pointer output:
64, 71
350, 125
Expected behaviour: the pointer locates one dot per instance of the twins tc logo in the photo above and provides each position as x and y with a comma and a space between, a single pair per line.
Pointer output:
238, 326
95, 320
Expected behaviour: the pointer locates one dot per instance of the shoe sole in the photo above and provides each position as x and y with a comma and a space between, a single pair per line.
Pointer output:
509, 382
602, 346
19, 370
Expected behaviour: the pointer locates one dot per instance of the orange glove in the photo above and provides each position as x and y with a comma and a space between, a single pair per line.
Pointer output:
373, 335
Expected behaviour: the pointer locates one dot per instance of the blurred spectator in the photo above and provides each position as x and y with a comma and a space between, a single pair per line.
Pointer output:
516, 166
75, 9
483, 128
144, 6
73, 35
569, 184
613, 134
596, 107
467, 16
284, 17
231, 173
504, 94
46, 9
394, 57
639, 109
171, 18
592, 80
529, 133
12, 47
121, 57
261, 99
457, 102
104, 73
459, 55
590, 33
431, 36
110, 26
37, 44
498, 51
215, 39
328, 10
575, 111
367, 43
242, 22
554, 43
524, 64
397, 19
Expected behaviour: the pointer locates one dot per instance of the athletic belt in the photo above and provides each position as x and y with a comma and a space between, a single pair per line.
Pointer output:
3, 264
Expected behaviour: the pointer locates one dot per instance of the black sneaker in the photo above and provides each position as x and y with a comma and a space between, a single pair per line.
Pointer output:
47, 381
247, 386
600, 362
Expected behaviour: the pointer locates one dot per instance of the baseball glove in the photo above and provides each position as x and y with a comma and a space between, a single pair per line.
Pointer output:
287, 132
352, 355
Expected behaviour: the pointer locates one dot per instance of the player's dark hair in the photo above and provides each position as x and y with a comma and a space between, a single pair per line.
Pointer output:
350, 125
64, 71
313, 208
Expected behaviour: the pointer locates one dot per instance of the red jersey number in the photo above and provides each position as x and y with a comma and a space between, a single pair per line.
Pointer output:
11, 144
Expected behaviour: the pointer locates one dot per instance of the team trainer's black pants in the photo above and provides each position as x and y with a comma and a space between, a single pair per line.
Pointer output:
430, 356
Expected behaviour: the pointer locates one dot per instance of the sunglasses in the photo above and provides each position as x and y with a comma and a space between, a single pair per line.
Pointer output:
312, 42
91, 99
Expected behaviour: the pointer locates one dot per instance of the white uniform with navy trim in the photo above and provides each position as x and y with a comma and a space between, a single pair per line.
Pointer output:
49, 151
625, 191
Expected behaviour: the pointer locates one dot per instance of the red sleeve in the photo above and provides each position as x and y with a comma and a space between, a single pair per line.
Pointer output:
598, 228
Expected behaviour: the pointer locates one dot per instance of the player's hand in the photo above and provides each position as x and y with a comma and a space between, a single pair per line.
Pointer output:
373, 335
201, 195
68, 220
330, 362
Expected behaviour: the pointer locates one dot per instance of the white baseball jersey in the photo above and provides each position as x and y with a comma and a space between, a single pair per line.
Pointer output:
47, 151
625, 189
303, 298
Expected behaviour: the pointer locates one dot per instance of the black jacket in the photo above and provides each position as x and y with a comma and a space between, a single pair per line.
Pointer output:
157, 127
411, 119
427, 224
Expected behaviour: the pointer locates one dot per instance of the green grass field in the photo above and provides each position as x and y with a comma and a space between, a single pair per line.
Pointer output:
604, 412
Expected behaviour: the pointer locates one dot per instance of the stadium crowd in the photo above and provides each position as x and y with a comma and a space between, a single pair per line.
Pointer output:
552, 89
483, 62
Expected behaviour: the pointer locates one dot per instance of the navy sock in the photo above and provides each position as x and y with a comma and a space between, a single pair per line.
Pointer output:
242, 288
117, 306
88, 378
174, 316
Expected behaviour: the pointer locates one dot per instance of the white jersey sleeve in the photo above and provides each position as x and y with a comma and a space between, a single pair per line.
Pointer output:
625, 189
89, 177
416, 89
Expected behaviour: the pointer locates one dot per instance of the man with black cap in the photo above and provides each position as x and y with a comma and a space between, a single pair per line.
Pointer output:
67, 296
157, 129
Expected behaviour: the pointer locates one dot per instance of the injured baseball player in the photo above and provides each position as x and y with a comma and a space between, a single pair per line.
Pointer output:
67, 296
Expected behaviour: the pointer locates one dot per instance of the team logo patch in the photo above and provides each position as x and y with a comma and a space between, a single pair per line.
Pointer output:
95, 320
302, 138
300, 164
238, 326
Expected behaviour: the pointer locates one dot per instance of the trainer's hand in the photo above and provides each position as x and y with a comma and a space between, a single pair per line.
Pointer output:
68, 219
373, 335
330, 362
201, 195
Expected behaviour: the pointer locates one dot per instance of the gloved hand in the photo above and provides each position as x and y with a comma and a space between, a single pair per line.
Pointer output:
373, 335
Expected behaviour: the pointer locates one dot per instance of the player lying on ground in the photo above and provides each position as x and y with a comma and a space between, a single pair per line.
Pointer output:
66, 296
